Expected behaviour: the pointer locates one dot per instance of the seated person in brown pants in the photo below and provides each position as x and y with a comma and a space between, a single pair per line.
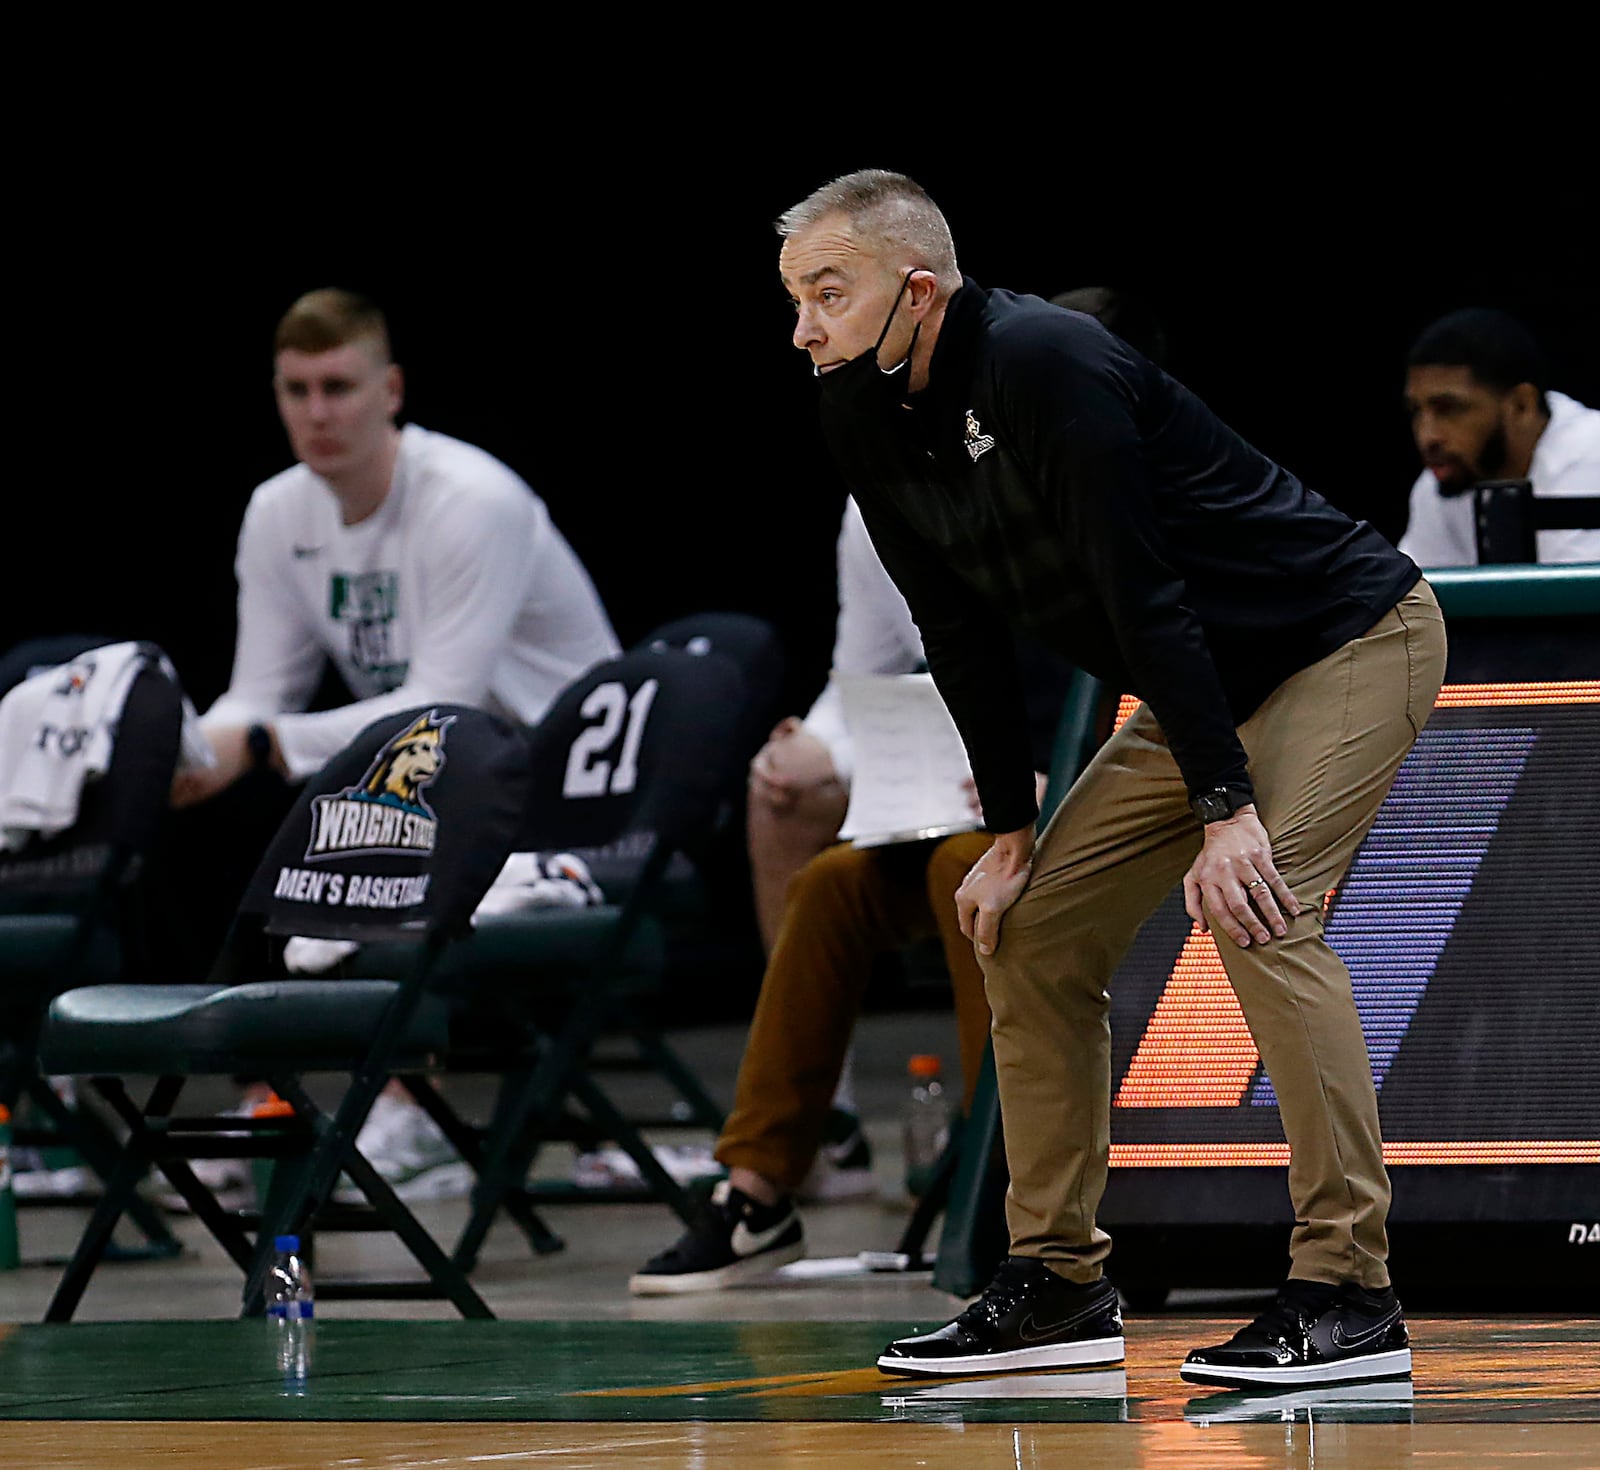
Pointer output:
798, 793
843, 908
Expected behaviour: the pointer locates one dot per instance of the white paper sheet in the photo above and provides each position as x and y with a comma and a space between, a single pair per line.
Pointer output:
910, 765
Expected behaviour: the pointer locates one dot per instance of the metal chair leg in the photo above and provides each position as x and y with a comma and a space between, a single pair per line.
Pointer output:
124, 1179
85, 1131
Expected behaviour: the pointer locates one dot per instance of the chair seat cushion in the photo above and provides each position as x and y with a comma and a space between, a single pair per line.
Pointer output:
534, 950
290, 1025
556, 946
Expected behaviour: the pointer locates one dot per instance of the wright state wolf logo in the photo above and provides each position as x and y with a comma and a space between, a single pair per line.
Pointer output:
386, 811
976, 441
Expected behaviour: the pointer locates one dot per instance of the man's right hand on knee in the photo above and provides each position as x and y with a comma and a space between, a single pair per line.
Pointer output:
994, 884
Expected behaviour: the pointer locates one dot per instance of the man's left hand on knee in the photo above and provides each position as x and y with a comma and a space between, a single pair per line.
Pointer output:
1235, 885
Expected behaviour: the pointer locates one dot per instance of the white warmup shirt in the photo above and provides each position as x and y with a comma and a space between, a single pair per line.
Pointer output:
457, 589
874, 633
1566, 461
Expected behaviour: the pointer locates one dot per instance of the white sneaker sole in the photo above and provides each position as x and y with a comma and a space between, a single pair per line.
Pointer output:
443, 1181
740, 1273
69, 1182
827, 1187
1089, 1353
1396, 1364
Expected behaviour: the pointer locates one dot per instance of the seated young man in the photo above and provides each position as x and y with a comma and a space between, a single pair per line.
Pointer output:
420, 567
1477, 391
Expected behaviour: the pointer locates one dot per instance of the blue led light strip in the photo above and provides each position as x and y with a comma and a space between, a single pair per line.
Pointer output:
1399, 901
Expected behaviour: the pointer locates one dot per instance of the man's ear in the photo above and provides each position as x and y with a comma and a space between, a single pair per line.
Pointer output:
1523, 401
922, 290
394, 384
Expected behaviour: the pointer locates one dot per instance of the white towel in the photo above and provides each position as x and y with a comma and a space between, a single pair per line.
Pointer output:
58, 729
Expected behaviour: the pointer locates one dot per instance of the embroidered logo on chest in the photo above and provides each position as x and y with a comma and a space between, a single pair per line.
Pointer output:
976, 441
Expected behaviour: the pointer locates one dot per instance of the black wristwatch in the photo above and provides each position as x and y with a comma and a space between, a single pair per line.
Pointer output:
1218, 804
258, 741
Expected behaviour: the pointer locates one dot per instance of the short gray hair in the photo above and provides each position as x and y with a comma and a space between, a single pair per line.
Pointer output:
889, 209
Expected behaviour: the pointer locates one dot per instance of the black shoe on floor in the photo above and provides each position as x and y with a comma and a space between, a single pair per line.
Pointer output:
1312, 1333
740, 1240
1028, 1318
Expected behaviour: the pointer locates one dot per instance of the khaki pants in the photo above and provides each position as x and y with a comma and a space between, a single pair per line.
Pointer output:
846, 906
1323, 751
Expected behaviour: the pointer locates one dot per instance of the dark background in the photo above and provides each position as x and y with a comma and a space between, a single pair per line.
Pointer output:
607, 320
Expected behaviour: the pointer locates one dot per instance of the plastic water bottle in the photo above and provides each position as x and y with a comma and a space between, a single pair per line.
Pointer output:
291, 1310
927, 1122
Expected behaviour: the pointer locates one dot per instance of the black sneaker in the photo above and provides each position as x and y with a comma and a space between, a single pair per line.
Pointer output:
1312, 1333
739, 1240
1027, 1318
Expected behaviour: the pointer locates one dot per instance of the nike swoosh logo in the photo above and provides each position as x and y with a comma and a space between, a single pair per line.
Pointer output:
302, 552
746, 1242
1030, 1330
1361, 1339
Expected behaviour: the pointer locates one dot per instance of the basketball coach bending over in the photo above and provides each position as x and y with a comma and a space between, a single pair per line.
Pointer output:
1017, 463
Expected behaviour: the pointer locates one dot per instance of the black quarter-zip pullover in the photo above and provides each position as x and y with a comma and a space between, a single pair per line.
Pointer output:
1051, 479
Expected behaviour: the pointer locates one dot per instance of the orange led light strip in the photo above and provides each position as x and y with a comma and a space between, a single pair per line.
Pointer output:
1196, 1050
1466, 696
1276, 1155
1478, 696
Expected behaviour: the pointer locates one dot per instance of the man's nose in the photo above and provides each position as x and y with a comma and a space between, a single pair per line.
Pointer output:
1425, 429
807, 332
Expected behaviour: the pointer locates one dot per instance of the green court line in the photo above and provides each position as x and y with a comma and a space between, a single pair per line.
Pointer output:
462, 1371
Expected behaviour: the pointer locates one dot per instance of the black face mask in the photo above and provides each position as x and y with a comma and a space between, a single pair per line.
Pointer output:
859, 387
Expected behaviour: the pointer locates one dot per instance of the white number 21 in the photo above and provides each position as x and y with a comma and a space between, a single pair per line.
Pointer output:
588, 772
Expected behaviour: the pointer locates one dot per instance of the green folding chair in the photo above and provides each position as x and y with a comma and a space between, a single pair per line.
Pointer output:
397, 838
637, 751
73, 903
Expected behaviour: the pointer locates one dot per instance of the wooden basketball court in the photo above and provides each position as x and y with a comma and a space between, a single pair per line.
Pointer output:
194, 1395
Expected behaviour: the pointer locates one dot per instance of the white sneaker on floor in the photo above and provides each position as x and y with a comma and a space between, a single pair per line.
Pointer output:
408, 1149
610, 1167
843, 1166
32, 1179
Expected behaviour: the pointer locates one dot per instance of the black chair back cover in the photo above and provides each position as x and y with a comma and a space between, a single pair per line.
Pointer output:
642, 743
753, 644
401, 833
